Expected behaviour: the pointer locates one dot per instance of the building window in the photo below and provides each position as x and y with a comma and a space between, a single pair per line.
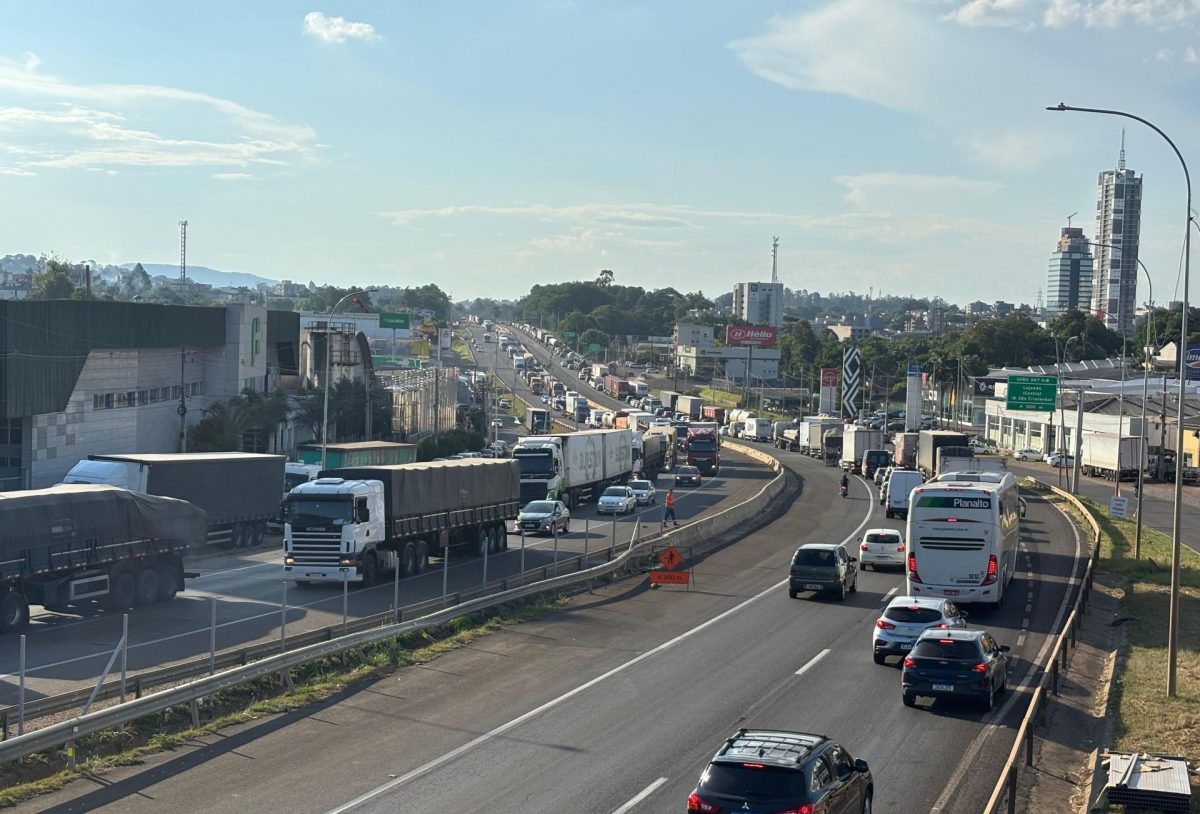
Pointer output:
164, 394
154, 395
98, 401
143, 397
195, 388
122, 400
109, 400
176, 392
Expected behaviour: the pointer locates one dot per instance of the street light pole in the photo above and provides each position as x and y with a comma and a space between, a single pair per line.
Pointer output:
325, 384
1177, 515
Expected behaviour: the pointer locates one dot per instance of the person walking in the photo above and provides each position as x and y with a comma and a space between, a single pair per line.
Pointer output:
669, 508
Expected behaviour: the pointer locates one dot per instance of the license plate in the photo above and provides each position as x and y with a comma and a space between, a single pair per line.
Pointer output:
943, 688
950, 592
809, 586
531, 525
906, 645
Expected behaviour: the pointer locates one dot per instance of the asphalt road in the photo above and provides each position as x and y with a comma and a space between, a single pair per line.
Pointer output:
616, 703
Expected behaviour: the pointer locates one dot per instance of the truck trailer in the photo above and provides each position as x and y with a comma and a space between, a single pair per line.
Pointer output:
691, 406
710, 412
758, 429
358, 523
573, 467
537, 420
905, 455
856, 440
72, 544
359, 453
649, 455
1112, 457
238, 491
928, 444
668, 398
814, 446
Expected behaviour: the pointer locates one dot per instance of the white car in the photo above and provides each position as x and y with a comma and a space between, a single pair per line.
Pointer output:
504, 404
497, 422
881, 475
644, 491
881, 547
616, 500
906, 618
1028, 455
1060, 459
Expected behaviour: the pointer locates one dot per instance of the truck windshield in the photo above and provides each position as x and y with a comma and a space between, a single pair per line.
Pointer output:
318, 510
702, 445
535, 464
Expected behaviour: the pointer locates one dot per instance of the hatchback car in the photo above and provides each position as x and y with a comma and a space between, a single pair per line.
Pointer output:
955, 663
881, 547
543, 517
1060, 459
763, 770
825, 568
616, 500
881, 474
687, 476
644, 491
906, 618
1028, 455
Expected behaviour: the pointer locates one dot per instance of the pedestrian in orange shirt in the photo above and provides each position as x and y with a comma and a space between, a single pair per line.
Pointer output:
669, 512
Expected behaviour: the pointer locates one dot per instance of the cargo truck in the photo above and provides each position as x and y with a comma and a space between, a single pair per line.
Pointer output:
817, 428
649, 455
758, 429
537, 420
535, 385
616, 387
906, 450
238, 491
856, 440
791, 438
573, 467
359, 453
668, 398
955, 459
711, 413
1098, 455
358, 523
670, 436
652, 404
928, 444
831, 444
691, 406
73, 544
704, 447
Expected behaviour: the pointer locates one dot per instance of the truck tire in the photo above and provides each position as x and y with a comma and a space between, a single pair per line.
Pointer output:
260, 531
502, 537
408, 560
14, 611
122, 591
146, 587
482, 541
370, 568
238, 536
422, 562
168, 581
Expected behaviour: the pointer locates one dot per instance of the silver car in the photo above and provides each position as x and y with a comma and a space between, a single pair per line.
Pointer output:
644, 491
543, 517
616, 500
906, 618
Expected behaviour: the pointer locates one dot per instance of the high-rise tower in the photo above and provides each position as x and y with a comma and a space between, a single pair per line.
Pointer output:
1069, 281
1118, 224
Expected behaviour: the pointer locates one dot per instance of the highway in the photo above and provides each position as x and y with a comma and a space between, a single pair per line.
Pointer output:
616, 703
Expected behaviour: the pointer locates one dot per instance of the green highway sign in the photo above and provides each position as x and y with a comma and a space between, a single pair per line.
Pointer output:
1034, 393
568, 334
594, 348
394, 320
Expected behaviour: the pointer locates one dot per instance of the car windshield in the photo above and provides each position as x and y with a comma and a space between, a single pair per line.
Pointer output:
688, 470
890, 539
814, 556
639, 485
764, 783
615, 491
318, 510
912, 614
539, 507
947, 649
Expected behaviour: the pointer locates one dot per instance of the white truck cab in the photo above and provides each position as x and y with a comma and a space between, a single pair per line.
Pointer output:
326, 523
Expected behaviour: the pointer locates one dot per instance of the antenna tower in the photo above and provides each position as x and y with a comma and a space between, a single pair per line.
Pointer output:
774, 260
1121, 160
183, 250
1039, 300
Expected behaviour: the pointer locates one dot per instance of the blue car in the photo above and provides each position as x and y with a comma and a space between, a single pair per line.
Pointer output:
955, 664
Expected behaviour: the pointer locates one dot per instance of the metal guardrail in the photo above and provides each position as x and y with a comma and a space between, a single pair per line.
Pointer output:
1006, 786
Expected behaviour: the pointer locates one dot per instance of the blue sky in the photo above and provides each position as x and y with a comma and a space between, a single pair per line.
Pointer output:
483, 146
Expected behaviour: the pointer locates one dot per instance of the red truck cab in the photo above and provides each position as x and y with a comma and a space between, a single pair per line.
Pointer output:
704, 447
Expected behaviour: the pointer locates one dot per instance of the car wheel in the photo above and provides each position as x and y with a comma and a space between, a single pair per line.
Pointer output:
842, 592
866, 806
910, 699
888, 515
988, 701
879, 657
792, 593
854, 584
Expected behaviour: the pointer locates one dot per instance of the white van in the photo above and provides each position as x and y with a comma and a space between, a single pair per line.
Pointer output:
899, 487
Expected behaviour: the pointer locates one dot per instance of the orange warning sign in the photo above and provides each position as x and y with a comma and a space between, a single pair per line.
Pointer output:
669, 577
670, 558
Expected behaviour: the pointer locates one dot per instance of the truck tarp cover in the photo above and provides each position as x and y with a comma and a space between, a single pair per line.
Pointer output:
439, 486
230, 486
72, 516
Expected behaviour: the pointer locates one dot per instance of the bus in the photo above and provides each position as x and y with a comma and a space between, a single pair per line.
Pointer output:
962, 537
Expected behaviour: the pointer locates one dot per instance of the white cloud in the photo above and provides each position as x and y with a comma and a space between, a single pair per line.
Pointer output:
1163, 55
233, 176
337, 29
1189, 55
1061, 13
864, 189
1004, 13
637, 215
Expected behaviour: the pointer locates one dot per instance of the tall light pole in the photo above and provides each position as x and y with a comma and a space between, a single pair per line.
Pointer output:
1177, 515
325, 383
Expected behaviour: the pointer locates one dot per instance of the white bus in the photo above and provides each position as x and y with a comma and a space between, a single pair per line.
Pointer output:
962, 537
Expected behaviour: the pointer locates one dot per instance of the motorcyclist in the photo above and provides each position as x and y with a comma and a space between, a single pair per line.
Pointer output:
845, 483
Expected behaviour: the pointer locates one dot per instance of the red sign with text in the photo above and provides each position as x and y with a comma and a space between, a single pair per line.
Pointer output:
829, 377
760, 336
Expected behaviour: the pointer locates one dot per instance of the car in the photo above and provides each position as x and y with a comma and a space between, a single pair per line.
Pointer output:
543, 517
881, 547
881, 474
1028, 455
774, 770
504, 404
487, 453
687, 475
955, 664
824, 568
1060, 459
616, 500
906, 618
644, 491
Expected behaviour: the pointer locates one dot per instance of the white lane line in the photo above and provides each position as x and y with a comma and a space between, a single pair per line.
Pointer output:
1025, 623
1021, 640
890, 594
1029, 608
641, 795
813, 661
235, 570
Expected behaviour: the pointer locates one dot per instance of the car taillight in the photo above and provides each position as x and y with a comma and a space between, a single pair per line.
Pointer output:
913, 576
981, 667
990, 577
884, 624
909, 661
900, 548
942, 626
697, 804
807, 808
864, 547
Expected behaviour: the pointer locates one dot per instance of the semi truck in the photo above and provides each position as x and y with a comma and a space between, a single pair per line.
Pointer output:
817, 427
537, 420
704, 447
928, 444
358, 453
358, 523
668, 398
616, 387
691, 406
856, 440
711, 413
1099, 451
536, 385
758, 429
670, 436
573, 467
649, 455
791, 438
238, 491
906, 449
831, 444
73, 544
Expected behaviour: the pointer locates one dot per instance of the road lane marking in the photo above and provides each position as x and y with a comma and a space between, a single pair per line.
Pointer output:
890, 594
641, 795
812, 662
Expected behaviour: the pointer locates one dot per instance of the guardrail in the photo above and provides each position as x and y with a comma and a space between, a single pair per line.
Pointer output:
372, 629
1056, 661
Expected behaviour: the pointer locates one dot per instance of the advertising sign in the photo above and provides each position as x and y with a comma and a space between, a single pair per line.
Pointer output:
739, 336
444, 338
1191, 362
983, 386
829, 388
912, 397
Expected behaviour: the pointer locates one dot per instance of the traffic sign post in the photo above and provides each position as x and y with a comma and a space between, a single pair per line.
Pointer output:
395, 321
1033, 393
670, 558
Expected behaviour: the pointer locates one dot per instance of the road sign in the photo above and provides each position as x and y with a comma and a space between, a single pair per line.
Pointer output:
394, 320
670, 558
425, 313
1034, 393
594, 348
568, 334
1118, 506
669, 578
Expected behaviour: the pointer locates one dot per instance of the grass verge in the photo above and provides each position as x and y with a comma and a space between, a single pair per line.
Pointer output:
46, 772
720, 398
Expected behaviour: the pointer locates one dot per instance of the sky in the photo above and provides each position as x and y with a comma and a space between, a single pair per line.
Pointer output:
894, 146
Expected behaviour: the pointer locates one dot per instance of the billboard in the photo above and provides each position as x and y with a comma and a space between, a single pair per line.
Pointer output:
1191, 362
912, 398
739, 336
829, 388
984, 386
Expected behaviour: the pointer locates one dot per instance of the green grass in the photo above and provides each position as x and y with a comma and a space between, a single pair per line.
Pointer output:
463, 350
720, 398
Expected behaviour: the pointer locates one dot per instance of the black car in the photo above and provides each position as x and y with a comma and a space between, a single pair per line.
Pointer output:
687, 475
761, 771
824, 568
955, 663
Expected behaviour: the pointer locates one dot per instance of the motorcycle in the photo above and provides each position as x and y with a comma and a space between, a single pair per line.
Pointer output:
844, 489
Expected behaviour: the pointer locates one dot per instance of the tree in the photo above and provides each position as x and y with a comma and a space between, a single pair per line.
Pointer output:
605, 278
55, 282
594, 337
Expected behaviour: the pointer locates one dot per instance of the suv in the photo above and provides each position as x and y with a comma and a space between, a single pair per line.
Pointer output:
766, 770
824, 568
